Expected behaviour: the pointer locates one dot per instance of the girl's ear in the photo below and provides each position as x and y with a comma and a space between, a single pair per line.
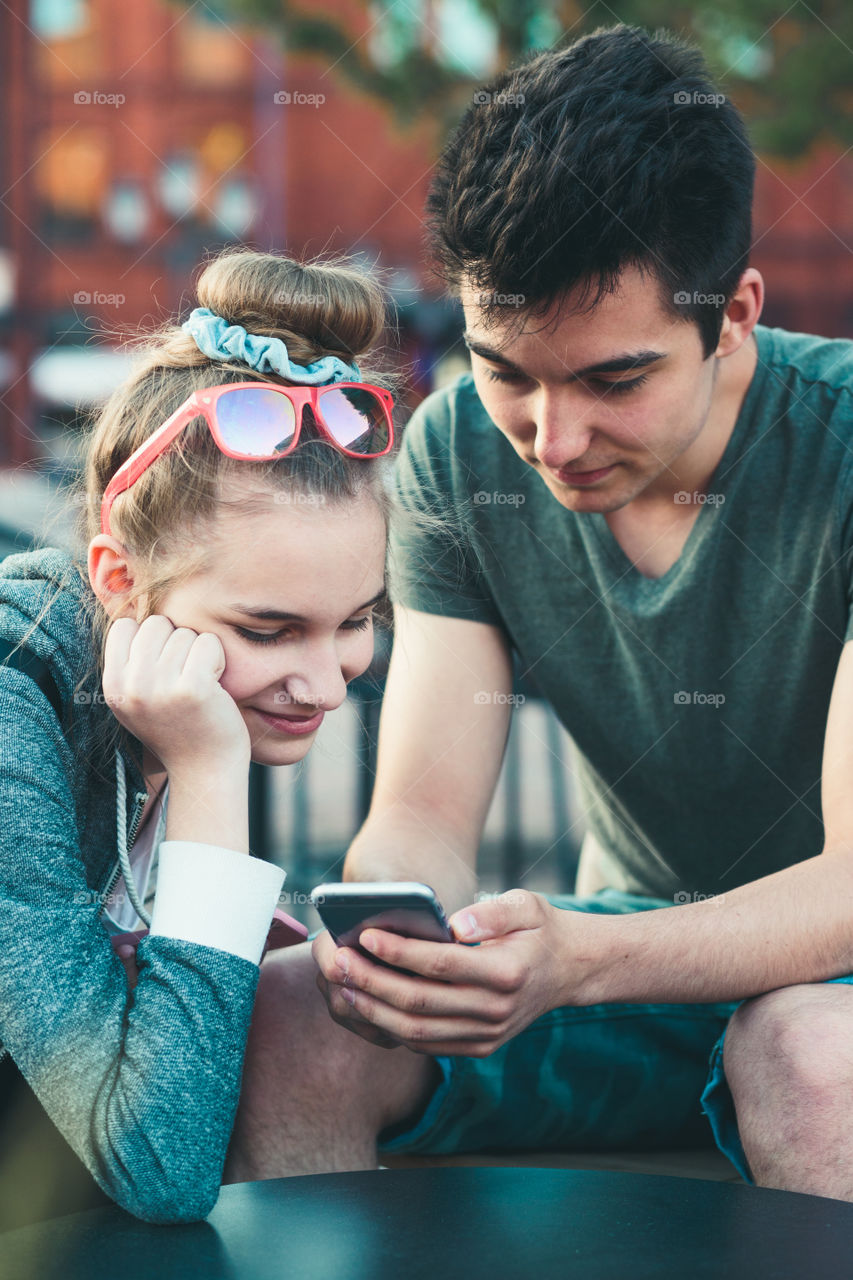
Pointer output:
111, 576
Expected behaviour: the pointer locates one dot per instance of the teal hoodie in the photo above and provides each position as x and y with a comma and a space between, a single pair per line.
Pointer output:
143, 1084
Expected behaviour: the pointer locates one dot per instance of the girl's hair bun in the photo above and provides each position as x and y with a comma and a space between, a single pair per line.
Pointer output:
328, 308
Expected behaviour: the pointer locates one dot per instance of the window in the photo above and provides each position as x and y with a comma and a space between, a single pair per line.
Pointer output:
71, 181
68, 49
209, 51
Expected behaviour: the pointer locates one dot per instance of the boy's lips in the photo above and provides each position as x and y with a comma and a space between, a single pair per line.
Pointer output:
568, 475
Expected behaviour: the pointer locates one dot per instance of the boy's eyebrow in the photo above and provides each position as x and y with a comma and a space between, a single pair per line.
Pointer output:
276, 615
617, 364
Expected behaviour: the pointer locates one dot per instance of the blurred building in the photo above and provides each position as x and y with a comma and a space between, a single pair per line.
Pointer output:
803, 241
139, 137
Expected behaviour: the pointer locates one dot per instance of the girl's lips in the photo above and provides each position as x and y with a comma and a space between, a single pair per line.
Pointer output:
292, 724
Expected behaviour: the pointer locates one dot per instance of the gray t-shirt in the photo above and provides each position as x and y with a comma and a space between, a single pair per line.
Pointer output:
698, 700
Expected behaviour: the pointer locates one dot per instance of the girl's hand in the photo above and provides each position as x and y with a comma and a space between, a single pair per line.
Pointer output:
162, 683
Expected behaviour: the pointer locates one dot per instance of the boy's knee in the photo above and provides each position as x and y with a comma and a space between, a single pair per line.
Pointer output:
796, 1042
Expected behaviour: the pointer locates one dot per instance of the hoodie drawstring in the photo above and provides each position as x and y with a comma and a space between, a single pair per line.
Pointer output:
121, 841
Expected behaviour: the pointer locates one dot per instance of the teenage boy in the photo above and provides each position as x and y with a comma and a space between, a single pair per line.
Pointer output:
648, 498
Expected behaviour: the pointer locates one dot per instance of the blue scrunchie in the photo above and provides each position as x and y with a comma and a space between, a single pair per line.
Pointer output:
221, 341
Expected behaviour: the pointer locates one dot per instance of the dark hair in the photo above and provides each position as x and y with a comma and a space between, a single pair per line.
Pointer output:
615, 151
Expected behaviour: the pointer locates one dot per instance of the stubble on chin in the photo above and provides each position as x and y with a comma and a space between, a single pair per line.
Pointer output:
597, 501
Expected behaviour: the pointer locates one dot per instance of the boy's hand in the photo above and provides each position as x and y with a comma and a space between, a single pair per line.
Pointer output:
466, 1000
326, 951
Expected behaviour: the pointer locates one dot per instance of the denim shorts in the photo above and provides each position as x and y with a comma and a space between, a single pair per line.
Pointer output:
597, 1078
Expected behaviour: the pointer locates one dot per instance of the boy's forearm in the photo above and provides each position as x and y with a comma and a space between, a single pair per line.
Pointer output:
795, 926
398, 845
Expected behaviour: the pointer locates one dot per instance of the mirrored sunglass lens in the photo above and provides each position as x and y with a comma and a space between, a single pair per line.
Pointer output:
256, 422
355, 418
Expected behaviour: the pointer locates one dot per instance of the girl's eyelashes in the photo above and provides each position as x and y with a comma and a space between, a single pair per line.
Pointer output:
263, 637
260, 637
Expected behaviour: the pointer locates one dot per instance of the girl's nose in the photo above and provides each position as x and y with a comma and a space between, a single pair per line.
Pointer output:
298, 691
325, 689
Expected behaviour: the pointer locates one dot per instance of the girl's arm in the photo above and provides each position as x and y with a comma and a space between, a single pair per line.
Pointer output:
143, 1084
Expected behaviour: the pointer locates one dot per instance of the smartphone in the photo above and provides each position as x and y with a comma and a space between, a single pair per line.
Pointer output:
405, 907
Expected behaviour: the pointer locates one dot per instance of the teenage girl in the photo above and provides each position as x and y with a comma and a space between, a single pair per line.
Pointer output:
237, 517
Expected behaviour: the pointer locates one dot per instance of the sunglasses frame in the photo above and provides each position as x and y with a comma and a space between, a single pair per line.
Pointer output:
202, 403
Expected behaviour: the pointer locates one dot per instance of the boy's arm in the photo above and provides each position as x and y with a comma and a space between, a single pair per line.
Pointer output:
445, 717
795, 926
790, 927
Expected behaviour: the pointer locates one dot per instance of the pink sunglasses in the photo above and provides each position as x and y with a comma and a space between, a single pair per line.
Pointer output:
260, 421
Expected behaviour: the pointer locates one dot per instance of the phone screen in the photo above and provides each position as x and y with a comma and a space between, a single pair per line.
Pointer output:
413, 914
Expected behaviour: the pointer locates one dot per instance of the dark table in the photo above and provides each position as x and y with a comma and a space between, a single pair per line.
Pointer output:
460, 1223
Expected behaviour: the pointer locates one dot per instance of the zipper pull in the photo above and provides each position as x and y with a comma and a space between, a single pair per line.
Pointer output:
139, 802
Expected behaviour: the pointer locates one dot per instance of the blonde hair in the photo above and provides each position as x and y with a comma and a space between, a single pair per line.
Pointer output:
317, 309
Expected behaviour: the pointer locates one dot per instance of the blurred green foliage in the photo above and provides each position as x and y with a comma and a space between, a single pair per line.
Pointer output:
789, 69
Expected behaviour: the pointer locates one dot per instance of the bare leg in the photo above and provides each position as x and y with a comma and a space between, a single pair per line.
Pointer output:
789, 1064
315, 1096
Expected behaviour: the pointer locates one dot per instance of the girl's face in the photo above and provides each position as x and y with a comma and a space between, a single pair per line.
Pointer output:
290, 592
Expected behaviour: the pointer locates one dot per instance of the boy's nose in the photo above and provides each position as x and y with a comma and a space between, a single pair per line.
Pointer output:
563, 430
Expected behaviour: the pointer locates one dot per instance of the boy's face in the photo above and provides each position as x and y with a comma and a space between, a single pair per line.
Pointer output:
598, 436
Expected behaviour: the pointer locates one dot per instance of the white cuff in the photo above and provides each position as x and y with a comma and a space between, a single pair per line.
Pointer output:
215, 897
